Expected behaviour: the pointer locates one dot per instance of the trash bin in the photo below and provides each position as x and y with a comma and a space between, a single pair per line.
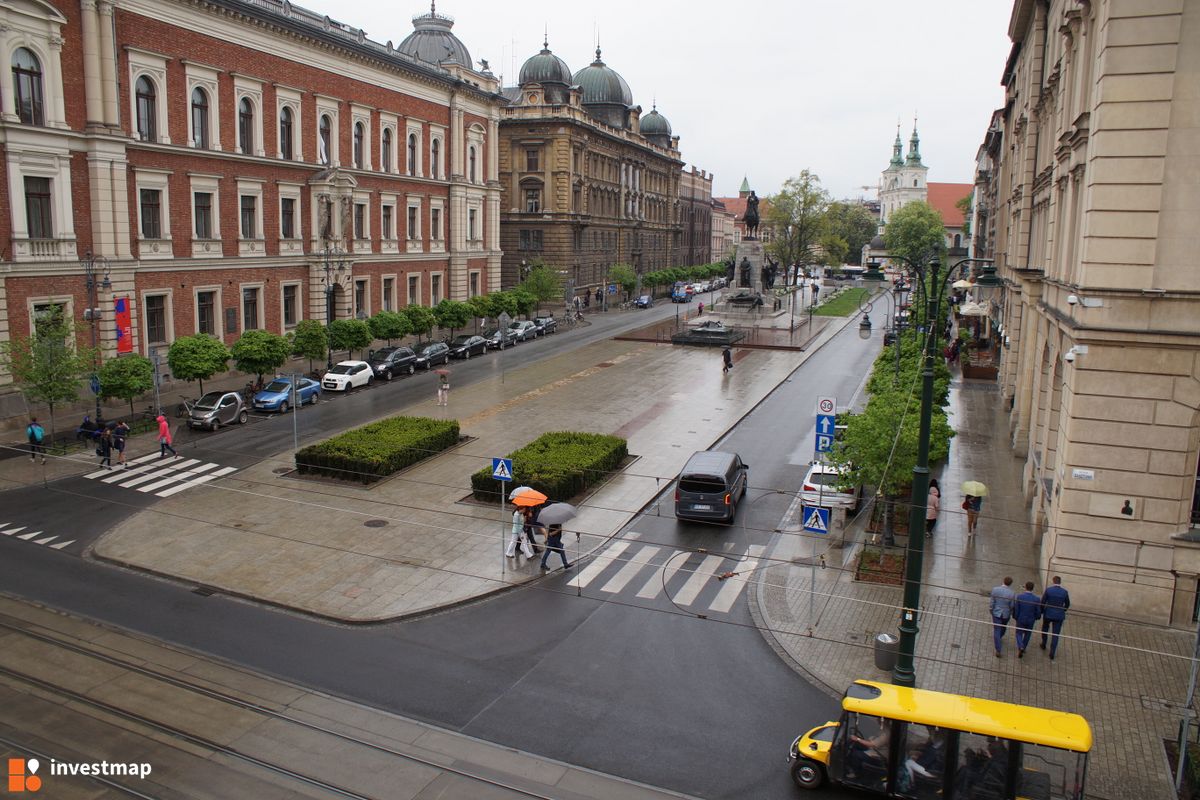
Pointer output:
886, 651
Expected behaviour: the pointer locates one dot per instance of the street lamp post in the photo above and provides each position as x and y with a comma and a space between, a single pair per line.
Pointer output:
335, 263
96, 272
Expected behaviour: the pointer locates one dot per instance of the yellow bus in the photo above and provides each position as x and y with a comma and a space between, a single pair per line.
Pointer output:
918, 744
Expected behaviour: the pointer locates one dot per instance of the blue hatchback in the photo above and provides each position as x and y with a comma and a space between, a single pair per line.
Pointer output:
277, 395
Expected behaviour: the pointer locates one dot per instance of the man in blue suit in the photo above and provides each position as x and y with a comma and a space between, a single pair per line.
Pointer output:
1026, 610
1055, 602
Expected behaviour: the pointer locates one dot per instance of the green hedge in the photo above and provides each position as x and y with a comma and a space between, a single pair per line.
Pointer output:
377, 450
560, 465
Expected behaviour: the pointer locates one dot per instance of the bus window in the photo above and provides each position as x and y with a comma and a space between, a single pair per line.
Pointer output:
1050, 773
983, 768
866, 751
924, 752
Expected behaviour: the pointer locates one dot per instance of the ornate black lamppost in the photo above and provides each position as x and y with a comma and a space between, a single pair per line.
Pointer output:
96, 272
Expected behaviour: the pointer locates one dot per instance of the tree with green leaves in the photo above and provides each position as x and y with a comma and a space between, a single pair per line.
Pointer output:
853, 224
797, 216
126, 377
524, 301
915, 232
388, 325
197, 357
48, 366
624, 276
452, 315
350, 335
482, 307
257, 352
543, 282
503, 303
310, 340
420, 320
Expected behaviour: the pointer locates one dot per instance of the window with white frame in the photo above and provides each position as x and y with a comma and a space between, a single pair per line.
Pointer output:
435, 158
287, 132
203, 116
472, 219
414, 290
27, 87
435, 289
473, 284
208, 301
360, 136
153, 207
39, 203
250, 208
249, 116
435, 223
360, 220
414, 136
327, 131
414, 221
148, 100
389, 293
287, 117
387, 225
290, 304
411, 157
289, 211
362, 308
251, 307
471, 164
385, 150
150, 212
156, 311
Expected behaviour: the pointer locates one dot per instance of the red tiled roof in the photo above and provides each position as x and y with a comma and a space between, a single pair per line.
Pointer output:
943, 196
734, 205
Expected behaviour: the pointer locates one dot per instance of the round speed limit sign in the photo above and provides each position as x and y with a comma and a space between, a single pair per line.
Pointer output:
826, 405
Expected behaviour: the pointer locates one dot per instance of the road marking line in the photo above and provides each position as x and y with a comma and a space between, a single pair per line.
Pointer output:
179, 476
703, 574
47, 539
197, 481
61, 545
656, 583
598, 565
122, 474
733, 586
631, 568
158, 473
28, 536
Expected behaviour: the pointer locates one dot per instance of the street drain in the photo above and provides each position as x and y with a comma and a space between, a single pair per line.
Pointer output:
203, 591
376, 523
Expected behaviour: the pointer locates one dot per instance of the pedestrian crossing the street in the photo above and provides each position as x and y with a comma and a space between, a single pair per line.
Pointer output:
690, 579
162, 477
22, 532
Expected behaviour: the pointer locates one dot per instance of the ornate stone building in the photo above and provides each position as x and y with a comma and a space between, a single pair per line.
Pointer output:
586, 181
1089, 204
695, 218
220, 155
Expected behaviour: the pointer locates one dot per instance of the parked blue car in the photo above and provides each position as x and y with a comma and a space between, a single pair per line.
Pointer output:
277, 395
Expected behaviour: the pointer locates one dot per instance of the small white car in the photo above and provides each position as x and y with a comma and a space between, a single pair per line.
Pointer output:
346, 375
820, 488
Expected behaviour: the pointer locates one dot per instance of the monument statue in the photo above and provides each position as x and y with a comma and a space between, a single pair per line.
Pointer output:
745, 268
730, 269
751, 216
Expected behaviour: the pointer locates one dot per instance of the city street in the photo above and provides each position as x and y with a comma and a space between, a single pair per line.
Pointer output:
621, 666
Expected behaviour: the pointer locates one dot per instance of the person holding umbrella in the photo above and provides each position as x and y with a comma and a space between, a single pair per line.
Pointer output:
553, 516
973, 492
525, 499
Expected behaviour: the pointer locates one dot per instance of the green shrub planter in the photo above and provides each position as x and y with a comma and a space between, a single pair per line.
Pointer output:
560, 465
375, 451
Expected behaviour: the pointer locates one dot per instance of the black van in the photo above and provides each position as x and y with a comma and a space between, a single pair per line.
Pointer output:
710, 486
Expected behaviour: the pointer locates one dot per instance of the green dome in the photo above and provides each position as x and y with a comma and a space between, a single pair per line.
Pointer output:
601, 84
654, 124
545, 67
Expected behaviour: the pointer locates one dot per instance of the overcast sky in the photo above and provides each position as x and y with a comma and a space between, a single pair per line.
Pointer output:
762, 88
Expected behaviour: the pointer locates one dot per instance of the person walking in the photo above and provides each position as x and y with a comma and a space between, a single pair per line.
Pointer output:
120, 433
104, 448
932, 504
36, 436
727, 359
1055, 602
1003, 598
531, 528
554, 544
517, 539
972, 505
1026, 610
164, 438
443, 389
700, 309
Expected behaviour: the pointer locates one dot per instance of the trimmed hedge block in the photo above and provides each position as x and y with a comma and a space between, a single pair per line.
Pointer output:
560, 465
378, 450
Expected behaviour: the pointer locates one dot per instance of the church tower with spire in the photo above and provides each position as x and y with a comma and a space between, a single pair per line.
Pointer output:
904, 180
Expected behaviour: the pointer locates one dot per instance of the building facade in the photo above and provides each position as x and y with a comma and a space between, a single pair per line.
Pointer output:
221, 161
695, 218
586, 181
722, 231
1089, 202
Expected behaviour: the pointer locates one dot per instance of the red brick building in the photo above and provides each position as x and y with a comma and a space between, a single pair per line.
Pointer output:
226, 157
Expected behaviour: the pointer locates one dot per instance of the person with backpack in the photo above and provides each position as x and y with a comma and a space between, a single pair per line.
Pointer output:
36, 436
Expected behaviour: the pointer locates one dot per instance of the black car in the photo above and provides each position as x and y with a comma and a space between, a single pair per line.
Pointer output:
390, 361
546, 324
493, 336
465, 345
432, 354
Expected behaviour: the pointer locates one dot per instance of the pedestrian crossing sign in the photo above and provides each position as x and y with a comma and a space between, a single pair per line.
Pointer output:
816, 519
502, 469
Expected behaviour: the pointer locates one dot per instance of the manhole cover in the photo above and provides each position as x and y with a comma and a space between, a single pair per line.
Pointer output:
376, 523
282, 470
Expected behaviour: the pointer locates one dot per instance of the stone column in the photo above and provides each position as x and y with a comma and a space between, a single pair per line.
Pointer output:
108, 65
93, 91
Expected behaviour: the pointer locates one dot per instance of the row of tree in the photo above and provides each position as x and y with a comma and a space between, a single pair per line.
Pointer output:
809, 228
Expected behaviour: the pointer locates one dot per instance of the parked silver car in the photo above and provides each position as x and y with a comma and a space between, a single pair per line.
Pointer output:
216, 409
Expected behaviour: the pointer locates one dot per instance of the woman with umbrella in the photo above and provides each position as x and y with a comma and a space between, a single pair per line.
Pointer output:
973, 492
525, 499
553, 516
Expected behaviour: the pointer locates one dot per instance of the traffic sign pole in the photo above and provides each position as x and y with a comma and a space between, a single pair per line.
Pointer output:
502, 472
823, 440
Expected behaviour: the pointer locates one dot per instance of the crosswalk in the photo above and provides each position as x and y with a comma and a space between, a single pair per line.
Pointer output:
162, 477
53, 541
687, 578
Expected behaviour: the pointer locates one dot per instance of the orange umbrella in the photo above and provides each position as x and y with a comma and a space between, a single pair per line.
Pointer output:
529, 497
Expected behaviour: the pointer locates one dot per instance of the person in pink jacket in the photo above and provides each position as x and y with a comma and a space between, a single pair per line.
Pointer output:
164, 438
931, 507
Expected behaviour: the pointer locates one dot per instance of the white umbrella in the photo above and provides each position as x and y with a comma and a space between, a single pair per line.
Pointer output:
556, 514
972, 310
519, 490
